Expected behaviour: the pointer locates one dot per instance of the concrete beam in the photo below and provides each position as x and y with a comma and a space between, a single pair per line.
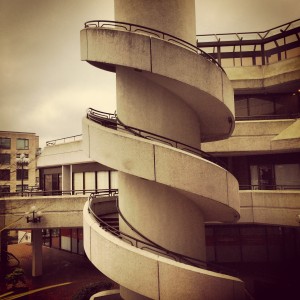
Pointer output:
57, 211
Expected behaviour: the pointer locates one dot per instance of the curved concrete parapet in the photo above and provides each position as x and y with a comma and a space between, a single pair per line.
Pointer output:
193, 78
212, 188
152, 275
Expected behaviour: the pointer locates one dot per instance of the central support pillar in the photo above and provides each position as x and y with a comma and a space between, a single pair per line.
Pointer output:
37, 252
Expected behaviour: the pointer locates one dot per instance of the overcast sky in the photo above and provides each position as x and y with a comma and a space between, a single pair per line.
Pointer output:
46, 89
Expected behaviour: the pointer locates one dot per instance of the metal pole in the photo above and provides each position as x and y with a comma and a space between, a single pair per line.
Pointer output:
22, 177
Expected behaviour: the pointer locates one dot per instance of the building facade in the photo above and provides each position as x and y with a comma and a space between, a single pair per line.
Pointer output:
259, 145
18, 160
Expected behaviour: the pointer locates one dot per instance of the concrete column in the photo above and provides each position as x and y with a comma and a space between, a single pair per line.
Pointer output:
37, 253
176, 17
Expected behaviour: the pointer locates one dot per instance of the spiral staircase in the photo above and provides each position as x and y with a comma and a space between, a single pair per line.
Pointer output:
171, 96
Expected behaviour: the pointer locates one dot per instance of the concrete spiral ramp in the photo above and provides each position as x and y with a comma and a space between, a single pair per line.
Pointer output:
166, 88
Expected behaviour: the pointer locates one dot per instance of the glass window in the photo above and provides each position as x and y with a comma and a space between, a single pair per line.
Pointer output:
241, 107
55, 238
287, 104
102, 180
20, 175
254, 246
262, 177
78, 181
4, 189
65, 239
4, 143
287, 176
19, 187
22, 144
114, 179
260, 106
227, 244
4, 174
4, 159
90, 181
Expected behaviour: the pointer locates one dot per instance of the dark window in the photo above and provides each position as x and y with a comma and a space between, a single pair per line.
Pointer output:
4, 189
5, 175
19, 187
20, 176
4, 159
22, 144
267, 106
4, 143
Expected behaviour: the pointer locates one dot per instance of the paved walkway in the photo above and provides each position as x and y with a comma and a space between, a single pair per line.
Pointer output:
58, 267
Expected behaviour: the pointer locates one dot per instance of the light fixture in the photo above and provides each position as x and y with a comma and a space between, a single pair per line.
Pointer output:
22, 160
34, 215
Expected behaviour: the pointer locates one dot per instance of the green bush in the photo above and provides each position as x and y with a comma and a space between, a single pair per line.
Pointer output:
91, 289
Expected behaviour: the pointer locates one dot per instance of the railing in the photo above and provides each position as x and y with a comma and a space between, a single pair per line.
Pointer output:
253, 48
152, 32
64, 140
147, 245
112, 121
267, 117
36, 192
264, 187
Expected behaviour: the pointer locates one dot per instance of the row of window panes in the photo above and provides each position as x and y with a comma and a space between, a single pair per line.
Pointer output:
22, 144
90, 181
21, 174
272, 104
5, 158
6, 188
252, 243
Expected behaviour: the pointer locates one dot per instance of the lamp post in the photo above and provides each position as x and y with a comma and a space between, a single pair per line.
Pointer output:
22, 161
34, 215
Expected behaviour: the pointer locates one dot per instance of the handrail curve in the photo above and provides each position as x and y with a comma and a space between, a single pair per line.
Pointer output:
150, 245
157, 33
116, 123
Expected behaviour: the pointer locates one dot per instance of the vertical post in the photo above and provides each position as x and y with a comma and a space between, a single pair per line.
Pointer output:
3, 258
37, 254
22, 177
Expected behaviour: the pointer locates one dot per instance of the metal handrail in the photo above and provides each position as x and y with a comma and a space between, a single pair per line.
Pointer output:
116, 123
260, 42
266, 187
268, 117
63, 140
262, 36
150, 245
152, 32
36, 192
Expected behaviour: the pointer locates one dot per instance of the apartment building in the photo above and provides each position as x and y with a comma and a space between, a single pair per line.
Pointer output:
18, 159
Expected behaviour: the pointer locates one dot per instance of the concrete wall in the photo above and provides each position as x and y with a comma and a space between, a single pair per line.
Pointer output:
270, 207
62, 154
267, 76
